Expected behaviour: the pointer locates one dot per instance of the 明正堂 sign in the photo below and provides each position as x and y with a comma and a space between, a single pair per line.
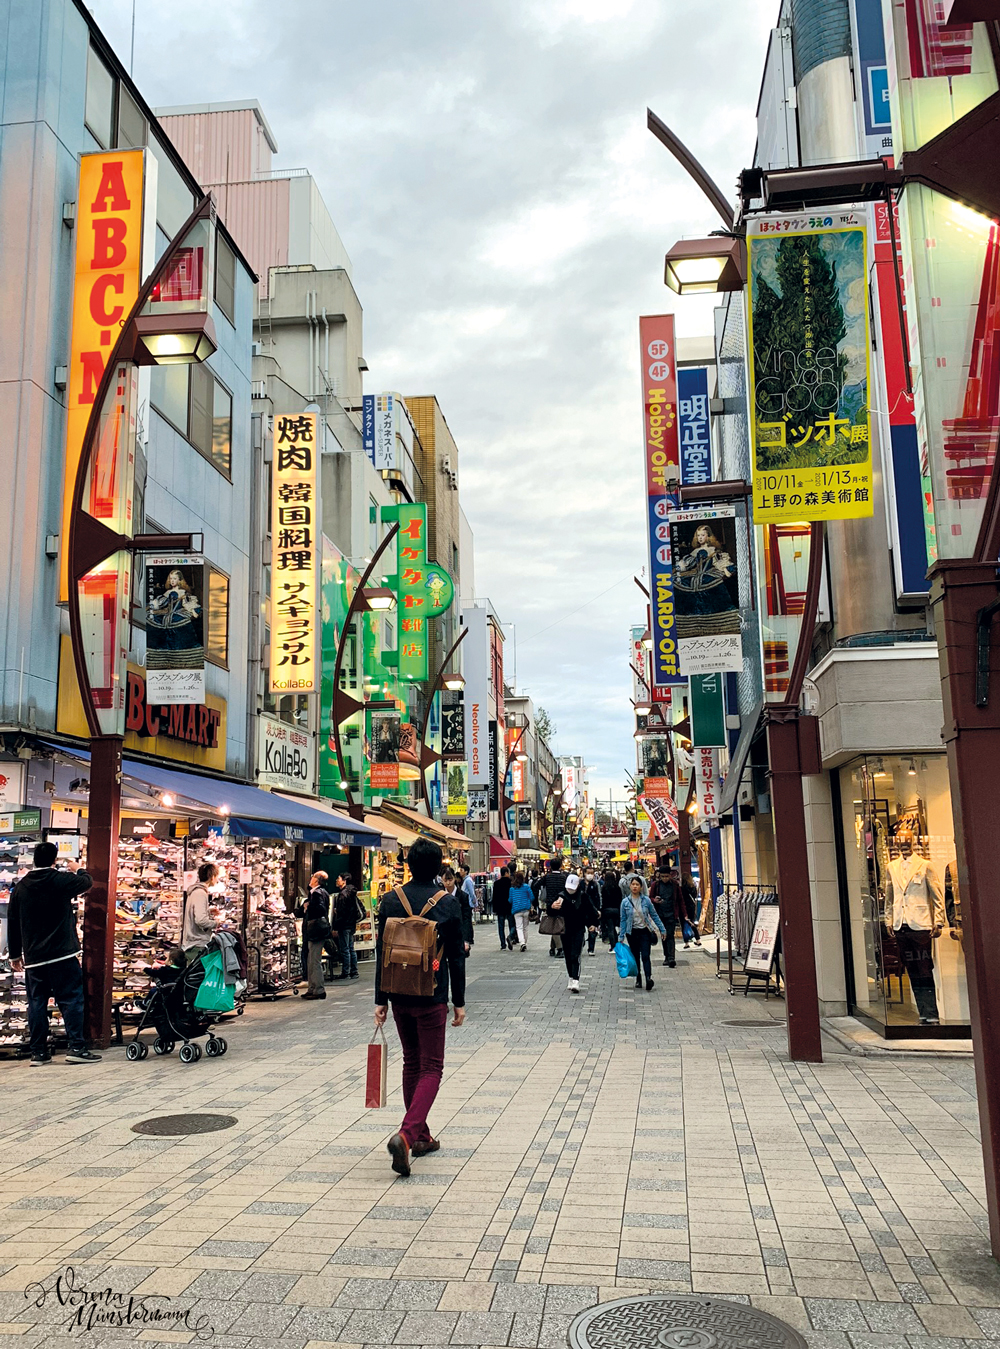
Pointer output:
295, 526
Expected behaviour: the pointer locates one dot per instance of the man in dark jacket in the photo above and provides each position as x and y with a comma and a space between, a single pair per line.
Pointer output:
346, 916
43, 942
593, 898
566, 897
666, 897
501, 908
420, 1022
316, 932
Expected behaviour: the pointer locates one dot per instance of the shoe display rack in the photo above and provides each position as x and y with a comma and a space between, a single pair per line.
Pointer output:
150, 900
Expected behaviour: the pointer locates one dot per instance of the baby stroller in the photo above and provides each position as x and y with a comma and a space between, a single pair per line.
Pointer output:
169, 1006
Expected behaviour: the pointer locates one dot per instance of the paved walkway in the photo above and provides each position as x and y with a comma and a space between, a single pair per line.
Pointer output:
619, 1141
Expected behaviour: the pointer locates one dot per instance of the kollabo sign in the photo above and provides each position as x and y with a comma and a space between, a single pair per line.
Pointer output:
662, 458
109, 269
285, 756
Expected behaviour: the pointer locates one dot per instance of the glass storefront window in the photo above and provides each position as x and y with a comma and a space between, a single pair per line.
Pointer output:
905, 906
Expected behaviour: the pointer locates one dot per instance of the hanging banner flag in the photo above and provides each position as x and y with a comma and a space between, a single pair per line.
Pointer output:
639, 666
295, 563
662, 813
524, 822
706, 590
368, 425
708, 712
694, 425
478, 806
383, 748
661, 457
413, 599
494, 765
809, 368
452, 725
475, 663
175, 629
516, 780
458, 790
706, 763
656, 766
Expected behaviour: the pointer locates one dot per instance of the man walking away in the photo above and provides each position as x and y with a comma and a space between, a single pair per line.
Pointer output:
346, 916
315, 932
665, 896
420, 1021
633, 874
43, 942
467, 896
611, 900
565, 896
593, 898
501, 908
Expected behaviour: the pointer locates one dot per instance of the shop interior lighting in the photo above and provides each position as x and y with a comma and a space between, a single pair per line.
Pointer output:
166, 799
693, 808
454, 680
911, 772
342, 785
223, 810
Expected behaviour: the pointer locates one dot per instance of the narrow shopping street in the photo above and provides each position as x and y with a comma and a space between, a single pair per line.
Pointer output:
592, 1147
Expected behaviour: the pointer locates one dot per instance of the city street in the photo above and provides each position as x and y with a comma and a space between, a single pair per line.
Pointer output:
617, 1142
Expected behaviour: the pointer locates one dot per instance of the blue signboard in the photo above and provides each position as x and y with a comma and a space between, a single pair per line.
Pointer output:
694, 425
870, 63
368, 425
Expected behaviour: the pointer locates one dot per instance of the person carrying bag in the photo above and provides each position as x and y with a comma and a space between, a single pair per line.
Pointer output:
316, 932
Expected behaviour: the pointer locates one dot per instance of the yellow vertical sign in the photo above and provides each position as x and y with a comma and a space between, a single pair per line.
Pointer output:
105, 288
808, 351
295, 529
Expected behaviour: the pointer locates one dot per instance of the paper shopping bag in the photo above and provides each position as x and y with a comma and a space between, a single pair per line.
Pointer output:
378, 1064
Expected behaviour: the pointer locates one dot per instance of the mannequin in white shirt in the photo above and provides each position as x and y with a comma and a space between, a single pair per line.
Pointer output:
915, 912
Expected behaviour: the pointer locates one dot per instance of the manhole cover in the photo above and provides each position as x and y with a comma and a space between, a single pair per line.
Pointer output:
176, 1126
680, 1322
771, 1021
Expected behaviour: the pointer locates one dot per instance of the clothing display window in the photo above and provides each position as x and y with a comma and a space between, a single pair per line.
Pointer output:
906, 941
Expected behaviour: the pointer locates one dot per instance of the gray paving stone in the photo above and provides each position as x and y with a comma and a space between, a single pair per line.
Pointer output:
569, 1297
414, 1294
264, 1320
427, 1327
523, 1297
371, 1327
835, 1314
318, 1323
477, 1328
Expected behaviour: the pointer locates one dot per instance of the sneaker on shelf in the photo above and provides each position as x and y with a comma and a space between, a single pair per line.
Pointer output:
82, 1056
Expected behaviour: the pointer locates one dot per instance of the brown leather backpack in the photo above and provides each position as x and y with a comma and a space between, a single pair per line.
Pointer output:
409, 950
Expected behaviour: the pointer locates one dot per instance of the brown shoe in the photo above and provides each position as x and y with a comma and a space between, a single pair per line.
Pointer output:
399, 1151
422, 1149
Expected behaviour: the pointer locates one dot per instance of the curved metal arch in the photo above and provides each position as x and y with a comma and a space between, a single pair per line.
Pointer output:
79, 563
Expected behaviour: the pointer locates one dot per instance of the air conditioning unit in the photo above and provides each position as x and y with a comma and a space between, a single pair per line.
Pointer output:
256, 348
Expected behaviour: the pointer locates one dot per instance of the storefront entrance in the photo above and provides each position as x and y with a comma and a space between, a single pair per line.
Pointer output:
904, 942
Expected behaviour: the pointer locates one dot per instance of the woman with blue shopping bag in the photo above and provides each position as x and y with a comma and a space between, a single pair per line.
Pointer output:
638, 919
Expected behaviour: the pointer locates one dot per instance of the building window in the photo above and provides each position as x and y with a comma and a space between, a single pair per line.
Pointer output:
217, 627
131, 123
99, 112
225, 277
198, 406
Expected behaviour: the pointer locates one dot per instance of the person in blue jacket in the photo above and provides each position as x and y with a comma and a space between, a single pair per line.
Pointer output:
638, 919
521, 900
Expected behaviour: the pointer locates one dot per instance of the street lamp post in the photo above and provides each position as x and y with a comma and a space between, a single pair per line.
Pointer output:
343, 704
158, 337
443, 679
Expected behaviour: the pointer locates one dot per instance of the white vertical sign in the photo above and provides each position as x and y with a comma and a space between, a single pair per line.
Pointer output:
707, 768
475, 661
385, 431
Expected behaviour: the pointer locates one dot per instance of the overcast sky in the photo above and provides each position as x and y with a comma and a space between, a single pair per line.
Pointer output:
488, 166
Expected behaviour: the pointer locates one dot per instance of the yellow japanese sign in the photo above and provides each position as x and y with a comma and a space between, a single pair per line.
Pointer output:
295, 530
105, 287
809, 368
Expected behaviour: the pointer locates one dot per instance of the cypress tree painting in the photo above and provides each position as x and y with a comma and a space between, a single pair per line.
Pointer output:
809, 389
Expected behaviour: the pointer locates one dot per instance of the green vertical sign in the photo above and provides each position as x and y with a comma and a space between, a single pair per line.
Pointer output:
708, 710
413, 601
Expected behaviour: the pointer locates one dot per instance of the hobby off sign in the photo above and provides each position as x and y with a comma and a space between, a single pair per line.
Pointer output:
285, 757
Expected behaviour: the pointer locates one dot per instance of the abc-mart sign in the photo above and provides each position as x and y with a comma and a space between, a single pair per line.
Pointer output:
286, 756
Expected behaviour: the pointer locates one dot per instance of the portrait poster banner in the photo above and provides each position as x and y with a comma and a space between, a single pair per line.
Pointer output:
458, 790
524, 822
295, 555
383, 748
452, 725
706, 591
809, 368
175, 629
656, 766
662, 460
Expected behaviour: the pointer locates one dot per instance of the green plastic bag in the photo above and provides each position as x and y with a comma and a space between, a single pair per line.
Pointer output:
214, 994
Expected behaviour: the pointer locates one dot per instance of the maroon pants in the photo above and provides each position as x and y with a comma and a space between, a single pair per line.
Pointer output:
421, 1033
